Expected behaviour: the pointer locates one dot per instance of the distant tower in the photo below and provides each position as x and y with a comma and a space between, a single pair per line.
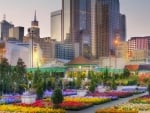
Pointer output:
4, 28
34, 30
34, 23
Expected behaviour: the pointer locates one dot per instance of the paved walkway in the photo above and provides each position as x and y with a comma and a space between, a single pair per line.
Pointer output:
109, 104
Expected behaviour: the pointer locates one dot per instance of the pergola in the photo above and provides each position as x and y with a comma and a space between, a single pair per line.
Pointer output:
48, 69
110, 70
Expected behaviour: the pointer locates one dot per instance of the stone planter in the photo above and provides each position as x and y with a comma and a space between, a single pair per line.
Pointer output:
28, 98
81, 93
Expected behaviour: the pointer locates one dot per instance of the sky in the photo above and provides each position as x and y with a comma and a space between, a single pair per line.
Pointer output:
21, 13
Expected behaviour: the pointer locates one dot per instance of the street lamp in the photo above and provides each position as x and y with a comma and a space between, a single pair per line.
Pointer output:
32, 48
116, 43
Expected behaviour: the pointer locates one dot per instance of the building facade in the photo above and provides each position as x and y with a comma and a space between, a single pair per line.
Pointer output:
122, 27
15, 50
106, 26
94, 24
76, 24
56, 25
4, 29
66, 51
139, 48
16, 33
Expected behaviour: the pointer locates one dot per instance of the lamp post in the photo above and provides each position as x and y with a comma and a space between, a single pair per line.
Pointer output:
32, 48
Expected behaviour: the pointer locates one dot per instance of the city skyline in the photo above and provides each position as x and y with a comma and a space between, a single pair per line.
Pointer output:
21, 13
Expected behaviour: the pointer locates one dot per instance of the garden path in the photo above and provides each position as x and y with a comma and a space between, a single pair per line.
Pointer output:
105, 105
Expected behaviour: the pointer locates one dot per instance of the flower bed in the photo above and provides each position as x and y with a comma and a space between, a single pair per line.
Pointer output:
116, 110
8, 99
112, 94
71, 105
135, 89
93, 100
68, 105
102, 94
144, 100
127, 108
121, 94
38, 103
139, 107
65, 93
21, 109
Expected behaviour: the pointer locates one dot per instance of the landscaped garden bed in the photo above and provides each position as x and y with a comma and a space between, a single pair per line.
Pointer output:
93, 100
121, 94
68, 105
112, 94
116, 110
139, 107
143, 100
102, 94
136, 105
8, 99
24, 109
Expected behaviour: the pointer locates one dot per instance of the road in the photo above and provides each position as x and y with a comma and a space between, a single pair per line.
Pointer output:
108, 104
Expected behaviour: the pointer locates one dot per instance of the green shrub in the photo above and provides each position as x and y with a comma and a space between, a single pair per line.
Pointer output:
57, 97
148, 88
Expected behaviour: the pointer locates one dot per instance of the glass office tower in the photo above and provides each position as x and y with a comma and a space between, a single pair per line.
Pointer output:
76, 23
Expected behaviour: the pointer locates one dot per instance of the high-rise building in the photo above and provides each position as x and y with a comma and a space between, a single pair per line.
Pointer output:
105, 26
137, 45
16, 33
122, 27
94, 24
70, 20
4, 29
76, 25
56, 25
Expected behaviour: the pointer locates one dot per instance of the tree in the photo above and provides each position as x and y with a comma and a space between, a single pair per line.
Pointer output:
78, 82
57, 97
94, 82
105, 76
5, 80
20, 75
40, 91
148, 88
38, 83
113, 83
126, 73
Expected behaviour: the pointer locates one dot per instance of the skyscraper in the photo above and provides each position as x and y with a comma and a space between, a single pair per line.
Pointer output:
56, 25
76, 25
4, 29
94, 24
105, 26
70, 20
123, 27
